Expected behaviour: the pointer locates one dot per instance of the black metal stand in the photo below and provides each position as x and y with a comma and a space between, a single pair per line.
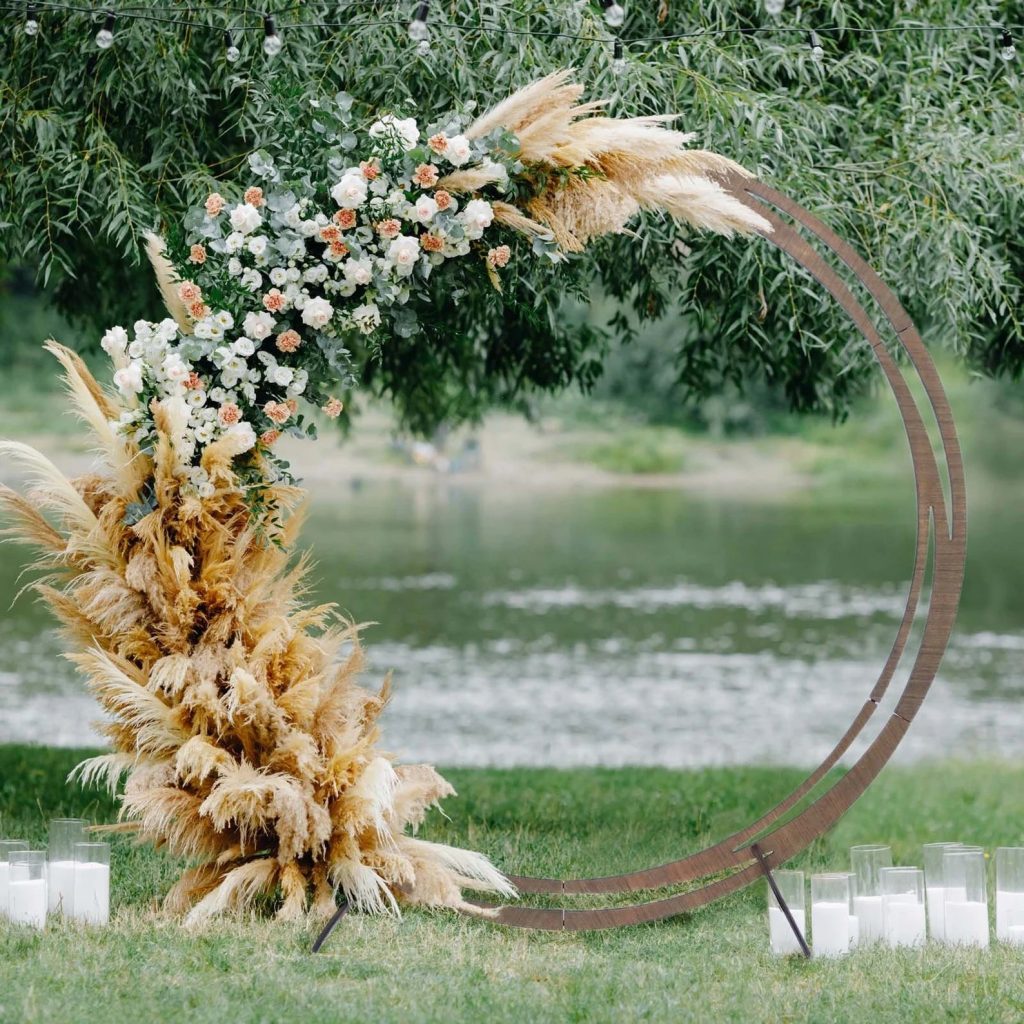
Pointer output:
783, 906
330, 926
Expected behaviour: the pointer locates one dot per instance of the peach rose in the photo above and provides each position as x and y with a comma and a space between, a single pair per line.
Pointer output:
339, 249
269, 437
193, 382
431, 243
345, 219
330, 233
333, 408
253, 195
229, 414
199, 310
288, 341
214, 203
293, 406
438, 143
277, 412
274, 300
189, 292
500, 256
369, 168
443, 199
197, 254
389, 228
425, 175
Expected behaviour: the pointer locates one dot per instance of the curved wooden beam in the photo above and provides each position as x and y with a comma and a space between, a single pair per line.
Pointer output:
941, 528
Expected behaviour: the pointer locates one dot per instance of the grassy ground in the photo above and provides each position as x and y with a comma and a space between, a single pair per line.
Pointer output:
709, 966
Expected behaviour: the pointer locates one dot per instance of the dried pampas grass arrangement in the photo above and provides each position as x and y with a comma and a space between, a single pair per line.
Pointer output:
237, 726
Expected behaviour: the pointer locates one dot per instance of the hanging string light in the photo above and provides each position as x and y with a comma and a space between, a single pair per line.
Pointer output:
419, 31
817, 50
105, 36
614, 12
618, 58
271, 40
1007, 50
31, 21
774, 7
231, 52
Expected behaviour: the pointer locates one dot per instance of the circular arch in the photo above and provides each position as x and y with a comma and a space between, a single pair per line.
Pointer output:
730, 865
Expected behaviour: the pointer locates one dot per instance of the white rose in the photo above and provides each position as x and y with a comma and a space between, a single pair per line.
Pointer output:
243, 347
224, 319
317, 313
281, 375
175, 369
278, 276
300, 382
424, 209
315, 274
128, 379
358, 271
405, 131
234, 266
457, 151
476, 217
115, 341
293, 216
366, 317
251, 279
234, 242
258, 245
403, 252
245, 218
142, 328
258, 325
241, 436
350, 192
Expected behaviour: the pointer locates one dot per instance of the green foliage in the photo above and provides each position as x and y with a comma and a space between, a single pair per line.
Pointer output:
908, 143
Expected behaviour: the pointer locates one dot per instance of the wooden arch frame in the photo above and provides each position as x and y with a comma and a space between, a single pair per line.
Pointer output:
730, 864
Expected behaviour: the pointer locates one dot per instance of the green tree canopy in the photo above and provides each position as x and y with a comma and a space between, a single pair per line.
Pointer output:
908, 142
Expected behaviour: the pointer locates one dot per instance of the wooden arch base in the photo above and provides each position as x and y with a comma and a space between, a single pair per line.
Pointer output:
941, 534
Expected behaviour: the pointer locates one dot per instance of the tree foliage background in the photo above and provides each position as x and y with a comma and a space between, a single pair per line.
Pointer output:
907, 142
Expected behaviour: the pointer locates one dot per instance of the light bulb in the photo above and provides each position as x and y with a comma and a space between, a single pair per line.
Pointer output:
271, 40
105, 36
614, 13
618, 58
774, 7
1007, 50
418, 30
817, 50
231, 52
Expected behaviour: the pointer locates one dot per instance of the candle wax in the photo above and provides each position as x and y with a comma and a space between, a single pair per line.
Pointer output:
61, 887
783, 940
1015, 935
830, 928
904, 922
936, 897
1009, 911
854, 931
966, 923
869, 913
92, 893
5, 873
27, 901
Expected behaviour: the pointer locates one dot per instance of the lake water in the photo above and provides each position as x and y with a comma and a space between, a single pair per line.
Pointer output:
617, 626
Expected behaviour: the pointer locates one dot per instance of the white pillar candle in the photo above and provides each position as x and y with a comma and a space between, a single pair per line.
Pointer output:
1015, 935
854, 931
966, 923
830, 928
61, 899
27, 901
869, 914
92, 893
5, 874
1009, 912
783, 940
936, 896
904, 923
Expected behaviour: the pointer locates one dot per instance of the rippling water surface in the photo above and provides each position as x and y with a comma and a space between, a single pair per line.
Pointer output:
617, 626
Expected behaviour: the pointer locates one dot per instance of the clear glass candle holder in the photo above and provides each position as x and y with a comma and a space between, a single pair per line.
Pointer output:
965, 897
26, 888
64, 833
903, 906
830, 914
867, 863
854, 920
92, 883
791, 885
1010, 895
935, 887
7, 847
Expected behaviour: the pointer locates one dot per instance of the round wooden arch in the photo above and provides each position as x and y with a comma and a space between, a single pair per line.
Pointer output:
941, 534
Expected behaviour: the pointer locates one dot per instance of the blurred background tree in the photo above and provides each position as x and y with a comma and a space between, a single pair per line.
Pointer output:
907, 142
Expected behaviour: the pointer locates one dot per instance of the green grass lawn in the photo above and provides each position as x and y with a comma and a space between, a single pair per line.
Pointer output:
709, 966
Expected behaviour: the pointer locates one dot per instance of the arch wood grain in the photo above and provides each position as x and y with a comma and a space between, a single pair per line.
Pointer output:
941, 529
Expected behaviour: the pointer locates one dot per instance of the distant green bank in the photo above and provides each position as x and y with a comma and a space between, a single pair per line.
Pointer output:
709, 966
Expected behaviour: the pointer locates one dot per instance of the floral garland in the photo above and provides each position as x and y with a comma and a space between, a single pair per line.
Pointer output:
268, 287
